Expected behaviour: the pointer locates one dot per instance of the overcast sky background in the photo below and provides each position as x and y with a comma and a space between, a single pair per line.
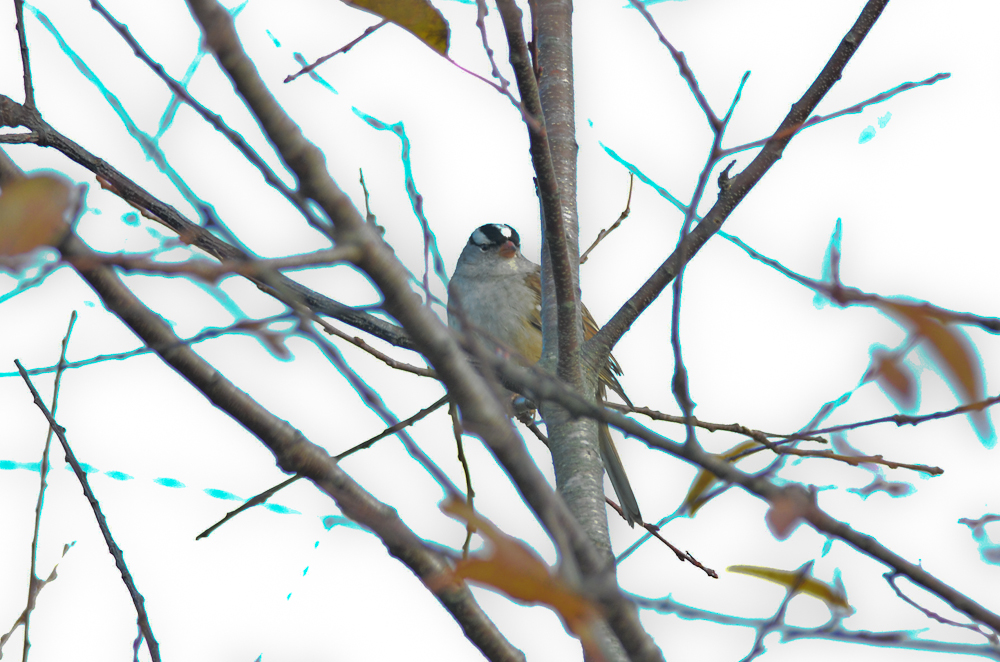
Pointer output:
910, 178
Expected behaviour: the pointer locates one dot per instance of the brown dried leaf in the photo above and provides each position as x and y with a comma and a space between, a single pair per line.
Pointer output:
894, 377
416, 16
954, 354
513, 568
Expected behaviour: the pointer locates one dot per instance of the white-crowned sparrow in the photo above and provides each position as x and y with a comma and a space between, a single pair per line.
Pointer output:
500, 293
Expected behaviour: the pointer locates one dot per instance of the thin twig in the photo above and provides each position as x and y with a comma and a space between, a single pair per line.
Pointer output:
539, 386
713, 427
34, 583
503, 87
680, 383
844, 295
39, 585
137, 600
22, 41
891, 577
296, 198
654, 530
214, 271
470, 493
208, 334
343, 49
903, 419
904, 640
789, 131
614, 226
271, 491
682, 66
381, 356
739, 186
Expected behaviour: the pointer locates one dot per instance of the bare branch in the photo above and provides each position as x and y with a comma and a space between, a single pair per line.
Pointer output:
343, 49
856, 108
903, 419
34, 583
262, 497
137, 600
293, 452
683, 67
555, 255
539, 387
29, 90
14, 115
294, 197
614, 226
214, 271
741, 184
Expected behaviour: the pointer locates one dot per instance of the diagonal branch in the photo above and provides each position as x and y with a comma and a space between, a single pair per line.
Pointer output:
739, 186
137, 600
13, 114
539, 387
293, 452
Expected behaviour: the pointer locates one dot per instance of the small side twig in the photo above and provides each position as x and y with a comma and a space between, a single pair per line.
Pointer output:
137, 600
614, 226
381, 356
29, 90
39, 585
470, 527
856, 108
736, 428
271, 491
654, 530
34, 583
891, 577
682, 66
343, 49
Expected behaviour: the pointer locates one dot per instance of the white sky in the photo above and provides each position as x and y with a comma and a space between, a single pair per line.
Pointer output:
917, 222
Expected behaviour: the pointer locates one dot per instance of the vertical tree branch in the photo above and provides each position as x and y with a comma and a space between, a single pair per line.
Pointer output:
575, 456
22, 40
560, 277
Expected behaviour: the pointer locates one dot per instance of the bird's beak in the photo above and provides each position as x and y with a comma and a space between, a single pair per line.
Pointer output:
508, 250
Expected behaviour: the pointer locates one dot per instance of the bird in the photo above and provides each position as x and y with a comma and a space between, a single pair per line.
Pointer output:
497, 292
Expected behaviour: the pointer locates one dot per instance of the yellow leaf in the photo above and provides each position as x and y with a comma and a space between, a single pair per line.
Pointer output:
35, 211
793, 579
706, 479
416, 16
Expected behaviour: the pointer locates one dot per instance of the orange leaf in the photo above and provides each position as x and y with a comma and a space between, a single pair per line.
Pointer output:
894, 377
418, 17
35, 211
794, 579
953, 353
514, 569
